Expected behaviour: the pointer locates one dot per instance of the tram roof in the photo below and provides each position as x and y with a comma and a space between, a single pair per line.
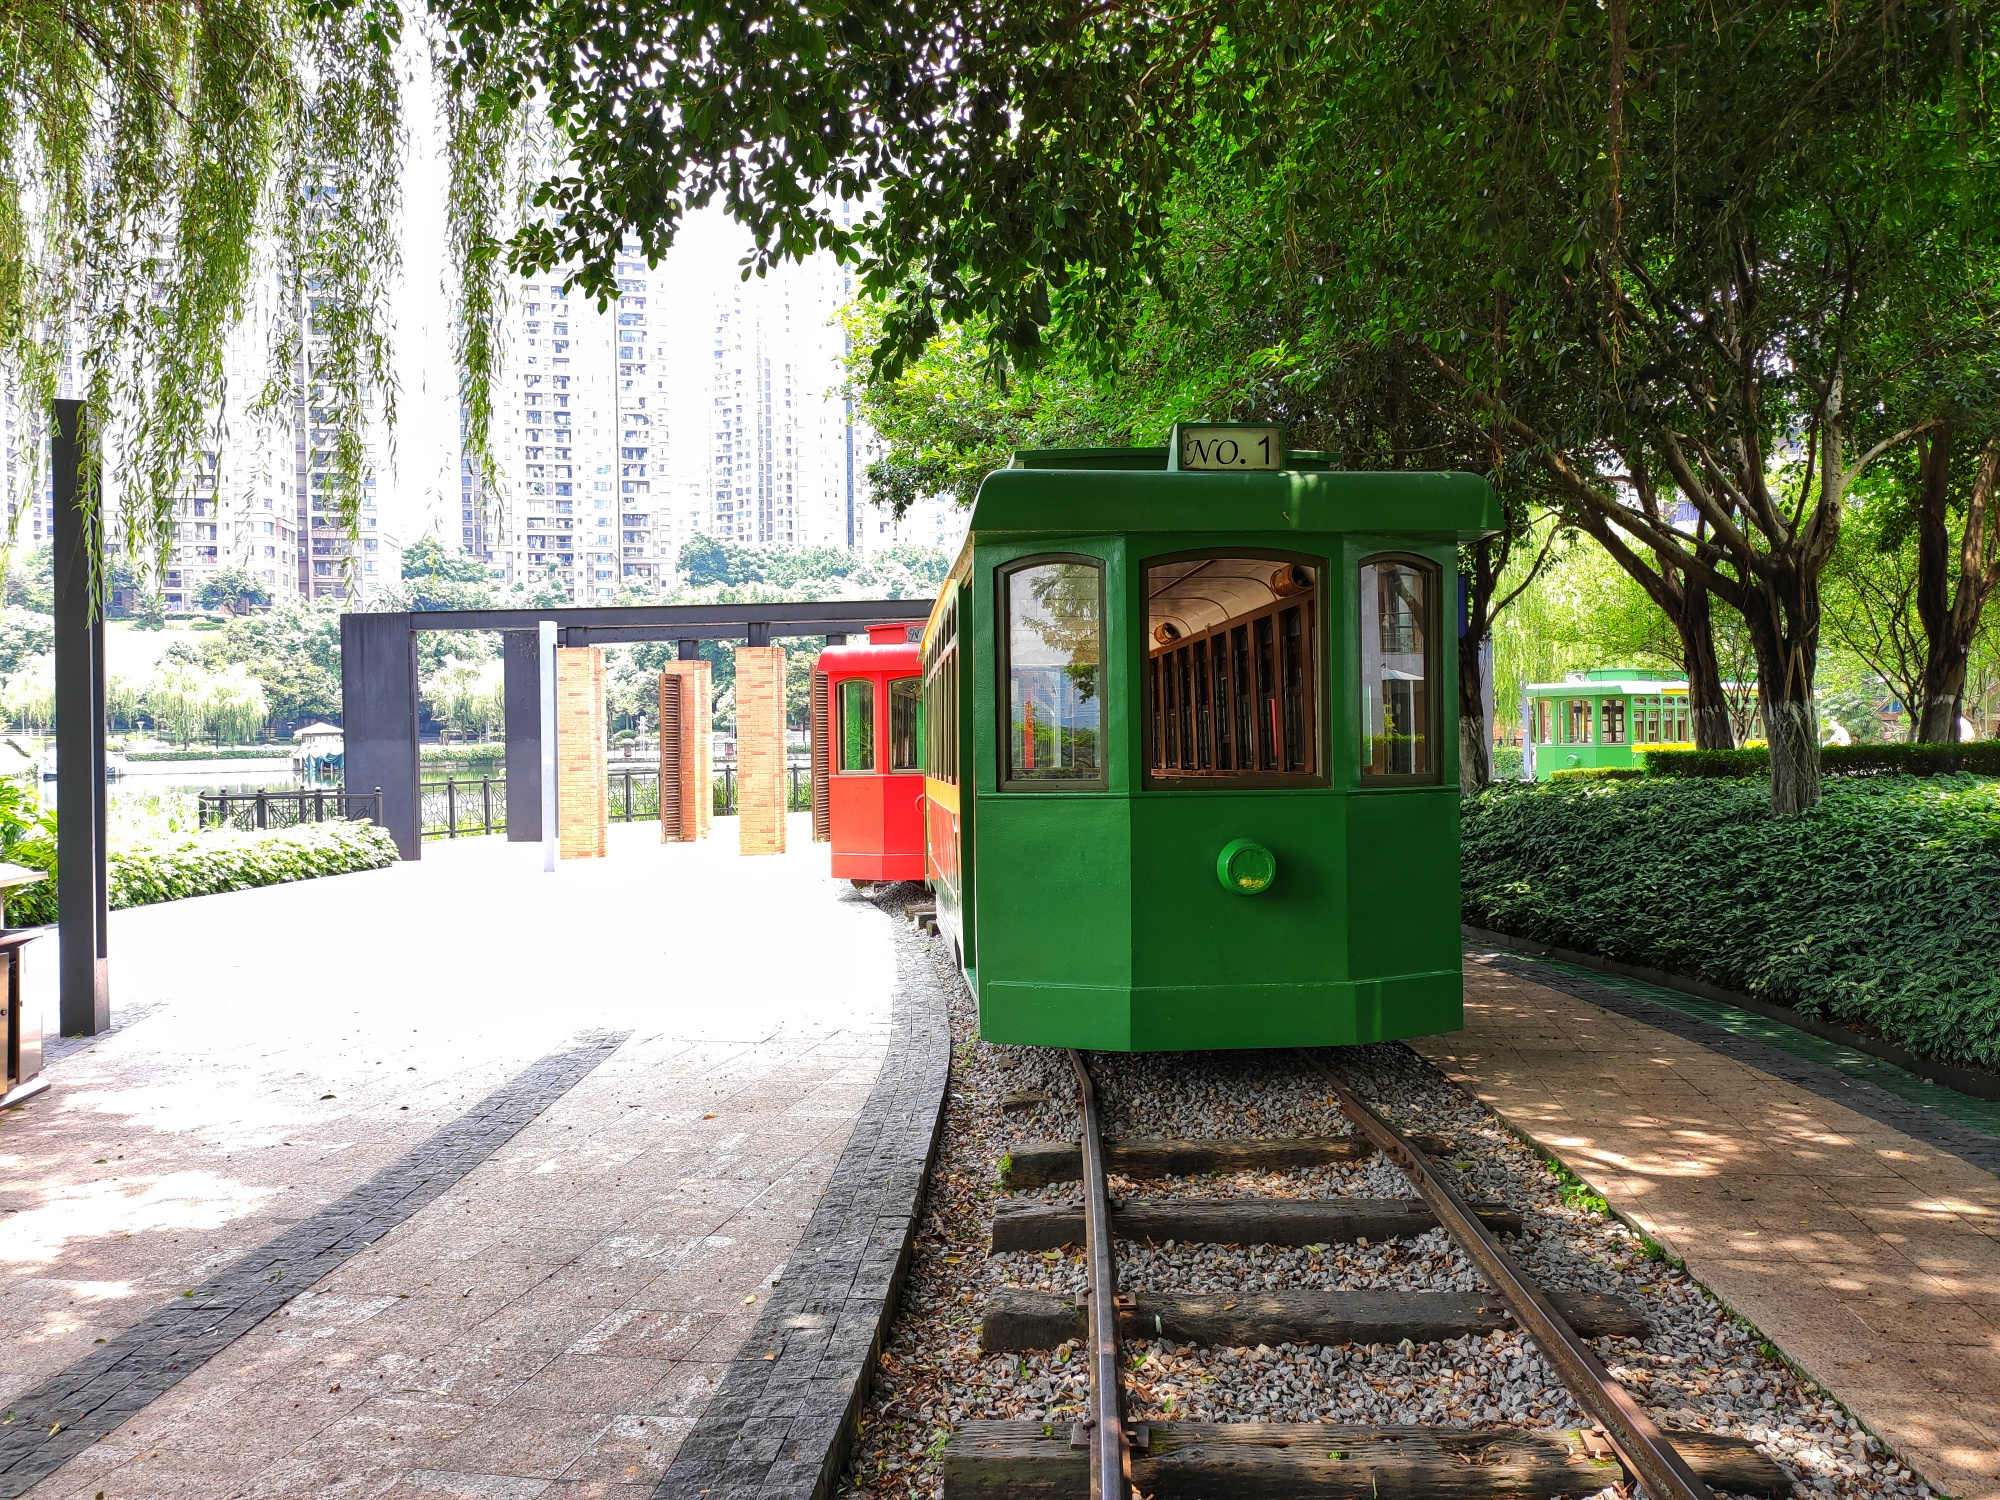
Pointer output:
1081, 491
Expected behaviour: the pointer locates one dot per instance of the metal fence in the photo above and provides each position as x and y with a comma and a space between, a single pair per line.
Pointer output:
464, 807
285, 809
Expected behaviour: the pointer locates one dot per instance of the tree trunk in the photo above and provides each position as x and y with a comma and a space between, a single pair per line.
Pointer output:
1475, 736
1708, 704
1950, 624
1784, 627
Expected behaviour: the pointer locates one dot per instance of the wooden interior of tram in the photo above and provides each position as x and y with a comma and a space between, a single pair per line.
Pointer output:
1233, 671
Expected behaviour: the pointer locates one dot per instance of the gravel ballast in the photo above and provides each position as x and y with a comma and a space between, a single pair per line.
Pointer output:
1700, 1369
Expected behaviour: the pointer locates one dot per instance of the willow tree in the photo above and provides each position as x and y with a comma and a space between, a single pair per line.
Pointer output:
156, 160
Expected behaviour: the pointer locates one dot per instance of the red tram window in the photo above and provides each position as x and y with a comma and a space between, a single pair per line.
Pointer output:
906, 724
856, 736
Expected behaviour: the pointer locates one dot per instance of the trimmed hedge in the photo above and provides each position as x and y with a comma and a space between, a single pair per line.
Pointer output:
1598, 773
206, 864
1981, 757
1881, 906
273, 751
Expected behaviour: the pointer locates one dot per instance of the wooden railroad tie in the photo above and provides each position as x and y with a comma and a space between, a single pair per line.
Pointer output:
1062, 1161
1019, 1320
1234, 1221
1285, 1460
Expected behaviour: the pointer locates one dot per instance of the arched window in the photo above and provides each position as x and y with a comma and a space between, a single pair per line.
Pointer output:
1053, 675
1399, 699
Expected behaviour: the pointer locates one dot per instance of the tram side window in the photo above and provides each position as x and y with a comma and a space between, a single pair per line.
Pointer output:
1055, 664
906, 724
1614, 721
1232, 676
1542, 727
1398, 668
939, 748
857, 725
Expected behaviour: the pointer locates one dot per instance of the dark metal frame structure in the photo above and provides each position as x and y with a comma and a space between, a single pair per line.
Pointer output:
378, 681
83, 885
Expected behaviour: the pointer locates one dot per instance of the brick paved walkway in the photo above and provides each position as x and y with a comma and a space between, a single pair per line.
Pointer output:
551, 1322
1867, 1256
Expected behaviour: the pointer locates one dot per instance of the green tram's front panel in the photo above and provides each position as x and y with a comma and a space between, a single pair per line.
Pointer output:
1212, 756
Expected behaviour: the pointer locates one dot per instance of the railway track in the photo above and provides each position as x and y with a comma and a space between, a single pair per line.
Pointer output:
1109, 1458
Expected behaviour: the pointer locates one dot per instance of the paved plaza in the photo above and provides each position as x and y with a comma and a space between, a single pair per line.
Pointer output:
669, 1047
1868, 1256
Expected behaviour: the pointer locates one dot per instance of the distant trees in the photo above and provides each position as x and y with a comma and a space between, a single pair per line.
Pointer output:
234, 591
190, 702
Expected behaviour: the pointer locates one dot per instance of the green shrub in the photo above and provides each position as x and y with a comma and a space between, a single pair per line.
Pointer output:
1879, 906
1598, 773
1980, 757
1755, 761
273, 751
1507, 763
205, 864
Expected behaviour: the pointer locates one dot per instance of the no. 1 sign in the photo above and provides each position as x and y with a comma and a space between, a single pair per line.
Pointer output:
1211, 448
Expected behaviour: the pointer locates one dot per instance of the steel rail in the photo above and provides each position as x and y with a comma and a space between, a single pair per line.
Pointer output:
1110, 1447
1639, 1443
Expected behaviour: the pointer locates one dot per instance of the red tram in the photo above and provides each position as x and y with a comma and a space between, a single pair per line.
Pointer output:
868, 756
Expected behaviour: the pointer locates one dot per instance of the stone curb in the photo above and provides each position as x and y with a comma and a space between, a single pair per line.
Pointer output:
782, 1418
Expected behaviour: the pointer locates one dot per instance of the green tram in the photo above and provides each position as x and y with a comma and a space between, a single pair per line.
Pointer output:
1594, 719
1192, 754
1610, 716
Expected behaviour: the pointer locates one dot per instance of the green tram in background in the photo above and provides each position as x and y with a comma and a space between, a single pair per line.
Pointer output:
1609, 716
1191, 760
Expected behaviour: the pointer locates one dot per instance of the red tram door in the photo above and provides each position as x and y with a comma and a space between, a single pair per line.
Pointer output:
869, 755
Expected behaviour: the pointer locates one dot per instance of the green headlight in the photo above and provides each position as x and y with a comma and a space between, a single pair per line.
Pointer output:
1246, 868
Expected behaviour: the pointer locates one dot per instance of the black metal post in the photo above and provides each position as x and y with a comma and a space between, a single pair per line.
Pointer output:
486, 799
759, 632
628, 796
262, 817
690, 650
378, 701
521, 661
450, 805
82, 873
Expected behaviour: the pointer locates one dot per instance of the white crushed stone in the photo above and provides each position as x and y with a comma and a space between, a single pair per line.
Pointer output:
1697, 1370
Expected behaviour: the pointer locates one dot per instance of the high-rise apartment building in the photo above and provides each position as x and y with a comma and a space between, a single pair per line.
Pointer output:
679, 409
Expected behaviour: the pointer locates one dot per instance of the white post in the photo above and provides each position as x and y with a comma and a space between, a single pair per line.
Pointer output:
548, 676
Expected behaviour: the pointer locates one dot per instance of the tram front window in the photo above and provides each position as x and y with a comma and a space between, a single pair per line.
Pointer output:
906, 724
1398, 668
857, 724
1232, 679
1055, 662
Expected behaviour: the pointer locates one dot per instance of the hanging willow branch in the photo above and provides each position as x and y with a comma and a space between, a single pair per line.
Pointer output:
157, 158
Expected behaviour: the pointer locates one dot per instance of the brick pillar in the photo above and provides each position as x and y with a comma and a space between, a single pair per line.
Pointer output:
760, 749
582, 794
687, 762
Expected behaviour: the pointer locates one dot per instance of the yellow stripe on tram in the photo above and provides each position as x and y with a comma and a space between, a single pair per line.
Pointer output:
941, 792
